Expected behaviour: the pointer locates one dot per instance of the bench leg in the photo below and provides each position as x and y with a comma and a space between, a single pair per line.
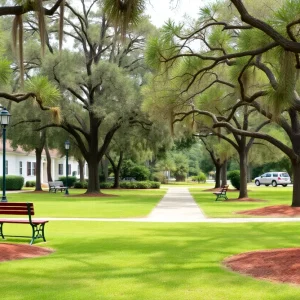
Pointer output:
38, 231
1, 230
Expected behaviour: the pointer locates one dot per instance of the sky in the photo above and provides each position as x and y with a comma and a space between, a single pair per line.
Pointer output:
161, 10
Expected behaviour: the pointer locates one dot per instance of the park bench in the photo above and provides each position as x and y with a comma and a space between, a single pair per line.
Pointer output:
56, 185
222, 193
18, 208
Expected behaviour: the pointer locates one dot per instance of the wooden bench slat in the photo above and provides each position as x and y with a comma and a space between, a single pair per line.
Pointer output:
14, 212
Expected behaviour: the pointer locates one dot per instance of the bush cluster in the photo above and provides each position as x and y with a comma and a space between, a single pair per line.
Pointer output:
30, 183
12, 182
106, 185
140, 185
71, 180
80, 185
235, 178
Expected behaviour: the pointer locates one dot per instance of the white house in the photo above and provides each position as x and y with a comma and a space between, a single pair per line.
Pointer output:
22, 163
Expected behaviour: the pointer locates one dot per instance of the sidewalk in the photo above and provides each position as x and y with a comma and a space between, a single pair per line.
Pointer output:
177, 205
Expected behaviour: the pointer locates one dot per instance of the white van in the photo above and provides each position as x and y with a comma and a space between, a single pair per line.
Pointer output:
273, 178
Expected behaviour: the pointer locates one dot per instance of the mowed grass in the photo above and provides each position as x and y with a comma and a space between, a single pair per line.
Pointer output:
227, 209
119, 203
119, 260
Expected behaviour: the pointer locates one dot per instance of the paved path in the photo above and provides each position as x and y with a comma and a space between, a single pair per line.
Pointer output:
179, 206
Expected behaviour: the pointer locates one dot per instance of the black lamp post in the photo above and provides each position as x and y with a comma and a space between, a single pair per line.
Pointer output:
4, 120
67, 147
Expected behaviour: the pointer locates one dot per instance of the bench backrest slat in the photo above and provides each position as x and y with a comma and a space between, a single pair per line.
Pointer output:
224, 189
55, 183
16, 208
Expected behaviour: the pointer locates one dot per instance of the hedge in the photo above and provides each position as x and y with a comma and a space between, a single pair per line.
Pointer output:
80, 185
124, 185
71, 180
13, 182
235, 178
140, 185
30, 183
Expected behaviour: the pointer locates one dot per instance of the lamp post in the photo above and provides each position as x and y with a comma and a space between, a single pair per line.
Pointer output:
4, 120
67, 147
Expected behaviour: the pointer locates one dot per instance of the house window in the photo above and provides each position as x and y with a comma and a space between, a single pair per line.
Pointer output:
28, 168
20, 167
78, 170
6, 167
33, 168
60, 169
69, 169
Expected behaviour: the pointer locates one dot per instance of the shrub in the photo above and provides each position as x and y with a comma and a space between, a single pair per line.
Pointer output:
201, 177
80, 185
140, 173
12, 182
71, 180
235, 178
140, 185
106, 185
30, 183
160, 177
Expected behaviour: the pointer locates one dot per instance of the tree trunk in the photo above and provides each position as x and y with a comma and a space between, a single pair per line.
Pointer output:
38, 157
93, 171
243, 175
49, 174
249, 173
296, 186
218, 176
105, 168
81, 169
224, 173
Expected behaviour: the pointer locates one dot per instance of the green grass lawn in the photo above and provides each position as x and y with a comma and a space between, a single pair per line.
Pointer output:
119, 260
220, 209
123, 203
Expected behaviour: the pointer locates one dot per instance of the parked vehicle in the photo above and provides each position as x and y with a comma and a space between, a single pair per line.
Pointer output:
273, 178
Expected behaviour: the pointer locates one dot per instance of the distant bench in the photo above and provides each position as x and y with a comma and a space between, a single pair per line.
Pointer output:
222, 193
56, 186
18, 208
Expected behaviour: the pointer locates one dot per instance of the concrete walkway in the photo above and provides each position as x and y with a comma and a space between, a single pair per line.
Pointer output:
176, 206
179, 206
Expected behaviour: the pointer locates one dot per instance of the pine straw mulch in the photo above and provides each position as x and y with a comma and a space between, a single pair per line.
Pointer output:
279, 265
19, 251
273, 211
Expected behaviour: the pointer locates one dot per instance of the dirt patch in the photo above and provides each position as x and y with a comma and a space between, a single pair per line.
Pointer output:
20, 251
280, 265
273, 211
245, 200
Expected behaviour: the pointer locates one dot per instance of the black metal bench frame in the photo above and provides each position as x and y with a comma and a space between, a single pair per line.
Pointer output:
22, 208
56, 185
222, 193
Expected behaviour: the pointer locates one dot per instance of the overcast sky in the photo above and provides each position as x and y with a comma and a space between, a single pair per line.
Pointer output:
161, 10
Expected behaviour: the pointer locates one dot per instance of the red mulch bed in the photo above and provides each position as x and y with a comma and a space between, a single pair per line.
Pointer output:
281, 265
273, 211
20, 251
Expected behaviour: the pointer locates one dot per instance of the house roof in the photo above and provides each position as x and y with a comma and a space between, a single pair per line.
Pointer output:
54, 153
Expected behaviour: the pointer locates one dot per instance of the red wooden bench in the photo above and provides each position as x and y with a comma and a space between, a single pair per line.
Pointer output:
18, 208
222, 193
